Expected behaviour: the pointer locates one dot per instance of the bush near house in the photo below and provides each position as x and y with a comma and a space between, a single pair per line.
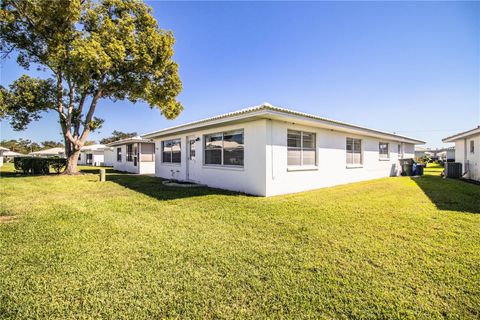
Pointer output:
33, 165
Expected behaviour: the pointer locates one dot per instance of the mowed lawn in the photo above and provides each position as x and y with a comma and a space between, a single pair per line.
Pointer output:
73, 247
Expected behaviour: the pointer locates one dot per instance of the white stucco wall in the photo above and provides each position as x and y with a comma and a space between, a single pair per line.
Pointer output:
331, 168
97, 158
109, 158
463, 155
249, 179
265, 170
128, 166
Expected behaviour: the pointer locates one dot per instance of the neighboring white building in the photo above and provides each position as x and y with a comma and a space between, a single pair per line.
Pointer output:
52, 152
2, 151
9, 155
421, 152
96, 155
467, 152
135, 155
268, 151
443, 154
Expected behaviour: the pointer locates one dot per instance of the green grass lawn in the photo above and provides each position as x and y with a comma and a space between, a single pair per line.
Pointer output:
133, 248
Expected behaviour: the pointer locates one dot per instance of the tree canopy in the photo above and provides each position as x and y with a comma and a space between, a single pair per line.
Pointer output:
118, 135
90, 50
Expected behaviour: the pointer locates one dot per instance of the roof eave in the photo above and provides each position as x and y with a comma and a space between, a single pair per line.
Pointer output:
268, 112
462, 135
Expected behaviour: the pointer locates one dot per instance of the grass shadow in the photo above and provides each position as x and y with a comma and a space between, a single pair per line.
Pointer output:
450, 194
153, 187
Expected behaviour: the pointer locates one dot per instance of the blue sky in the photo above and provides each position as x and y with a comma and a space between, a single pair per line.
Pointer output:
412, 67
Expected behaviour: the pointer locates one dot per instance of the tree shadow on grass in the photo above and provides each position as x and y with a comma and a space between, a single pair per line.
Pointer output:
153, 186
450, 194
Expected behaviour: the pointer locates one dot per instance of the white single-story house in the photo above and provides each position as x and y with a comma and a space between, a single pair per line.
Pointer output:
52, 152
96, 155
421, 152
443, 154
9, 155
467, 152
267, 150
135, 155
2, 151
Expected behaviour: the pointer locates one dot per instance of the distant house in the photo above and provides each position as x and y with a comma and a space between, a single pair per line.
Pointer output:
2, 151
96, 155
9, 155
421, 152
52, 152
442, 154
445, 154
267, 150
467, 152
135, 155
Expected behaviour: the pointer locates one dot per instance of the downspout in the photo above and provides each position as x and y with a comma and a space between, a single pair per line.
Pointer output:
465, 154
271, 148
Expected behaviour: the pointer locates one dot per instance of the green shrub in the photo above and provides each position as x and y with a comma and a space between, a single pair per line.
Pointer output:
33, 165
58, 164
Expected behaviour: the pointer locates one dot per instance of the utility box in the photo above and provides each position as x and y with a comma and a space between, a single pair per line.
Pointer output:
454, 169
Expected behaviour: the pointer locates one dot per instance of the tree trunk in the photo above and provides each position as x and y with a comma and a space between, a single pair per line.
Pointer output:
72, 161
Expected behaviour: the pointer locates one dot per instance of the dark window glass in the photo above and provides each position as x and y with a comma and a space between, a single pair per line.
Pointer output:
233, 148
213, 149
191, 150
119, 154
130, 152
383, 150
171, 151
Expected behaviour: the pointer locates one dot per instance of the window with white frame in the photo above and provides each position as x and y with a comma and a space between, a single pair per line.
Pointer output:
119, 154
301, 148
399, 150
224, 149
472, 146
354, 151
171, 151
383, 150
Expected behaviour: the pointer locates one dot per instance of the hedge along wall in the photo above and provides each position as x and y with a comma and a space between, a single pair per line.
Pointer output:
33, 165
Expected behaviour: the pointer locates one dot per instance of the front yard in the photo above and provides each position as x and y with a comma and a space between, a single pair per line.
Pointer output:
72, 247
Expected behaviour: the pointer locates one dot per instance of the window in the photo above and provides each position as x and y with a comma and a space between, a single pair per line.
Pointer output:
79, 156
301, 148
226, 148
119, 154
130, 152
147, 152
399, 150
171, 151
191, 150
472, 146
383, 150
354, 151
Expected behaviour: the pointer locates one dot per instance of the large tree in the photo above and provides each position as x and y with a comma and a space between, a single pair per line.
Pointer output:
91, 50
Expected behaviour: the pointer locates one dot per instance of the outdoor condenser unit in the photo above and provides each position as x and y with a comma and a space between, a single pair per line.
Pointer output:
454, 169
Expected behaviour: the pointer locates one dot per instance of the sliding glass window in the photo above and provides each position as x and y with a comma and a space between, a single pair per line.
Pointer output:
226, 148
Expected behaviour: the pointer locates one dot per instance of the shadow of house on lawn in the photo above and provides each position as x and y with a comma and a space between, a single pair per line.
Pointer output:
450, 194
153, 186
